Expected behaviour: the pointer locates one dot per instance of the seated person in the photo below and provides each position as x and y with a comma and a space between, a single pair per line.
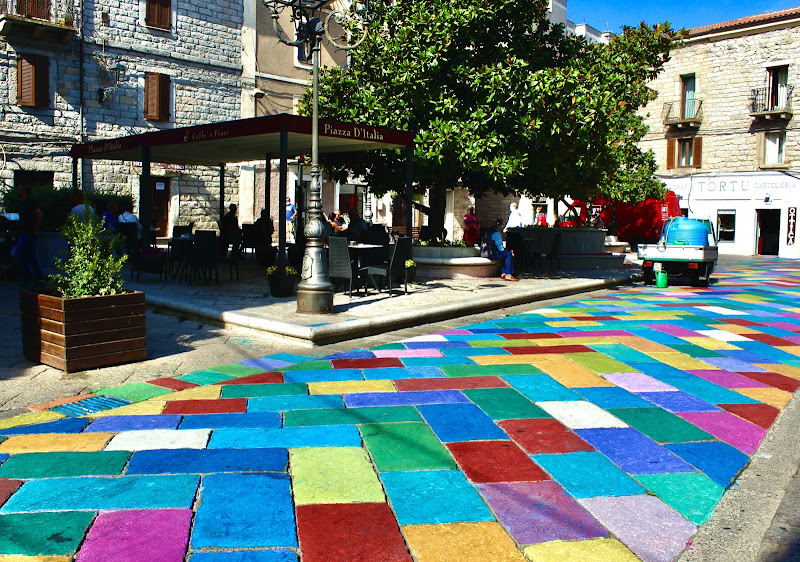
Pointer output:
230, 233
497, 251
337, 222
356, 226
128, 216
264, 227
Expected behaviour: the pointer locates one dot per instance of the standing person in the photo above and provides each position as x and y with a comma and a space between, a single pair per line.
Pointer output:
265, 253
291, 219
230, 233
541, 218
128, 216
514, 218
498, 252
472, 229
30, 218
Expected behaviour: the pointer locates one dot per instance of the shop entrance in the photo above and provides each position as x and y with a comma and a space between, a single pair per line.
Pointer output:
160, 195
769, 224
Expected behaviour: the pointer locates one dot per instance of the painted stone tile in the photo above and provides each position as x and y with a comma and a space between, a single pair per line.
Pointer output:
539, 388
237, 370
375, 363
460, 422
772, 396
205, 377
489, 370
362, 531
581, 414
53, 465
271, 555
296, 402
762, 415
333, 475
402, 373
775, 380
622, 353
719, 461
495, 461
159, 439
208, 393
66, 425
408, 353
461, 541
306, 365
588, 474
612, 397
135, 392
349, 416
352, 354
148, 408
632, 451
544, 436
286, 437
226, 518
7, 487
692, 495
593, 550
130, 423
474, 351
285, 389
324, 375
348, 387
54, 442
505, 403
599, 363
272, 377
410, 398
660, 425
734, 365
431, 497
146, 534
435, 361
458, 383
735, 431
536, 512
220, 406
204, 461
47, 534
678, 401
639, 382
263, 420
726, 379
404, 447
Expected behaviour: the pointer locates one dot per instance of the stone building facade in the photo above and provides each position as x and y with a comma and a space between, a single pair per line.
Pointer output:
724, 132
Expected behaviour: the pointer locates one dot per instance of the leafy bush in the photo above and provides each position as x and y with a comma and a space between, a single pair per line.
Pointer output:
90, 269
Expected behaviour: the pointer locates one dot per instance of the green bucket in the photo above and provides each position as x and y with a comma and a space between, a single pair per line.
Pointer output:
661, 279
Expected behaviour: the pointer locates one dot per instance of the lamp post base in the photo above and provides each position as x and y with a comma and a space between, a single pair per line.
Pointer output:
315, 301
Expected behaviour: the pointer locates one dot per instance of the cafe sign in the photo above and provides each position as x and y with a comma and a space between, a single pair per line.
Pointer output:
791, 226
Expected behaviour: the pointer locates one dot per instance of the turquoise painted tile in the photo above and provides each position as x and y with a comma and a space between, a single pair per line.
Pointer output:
588, 474
398, 373
204, 377
299, 402
540, 388
323, 375
707, 391
287, 437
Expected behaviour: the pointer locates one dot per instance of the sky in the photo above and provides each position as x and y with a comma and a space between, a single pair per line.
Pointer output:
613, 14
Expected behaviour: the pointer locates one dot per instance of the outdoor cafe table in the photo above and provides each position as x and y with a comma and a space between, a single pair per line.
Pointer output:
364, 255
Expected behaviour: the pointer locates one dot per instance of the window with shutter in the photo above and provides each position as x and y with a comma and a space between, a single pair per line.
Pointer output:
158, 13
671, 153
156, 96
33, 80
697, 152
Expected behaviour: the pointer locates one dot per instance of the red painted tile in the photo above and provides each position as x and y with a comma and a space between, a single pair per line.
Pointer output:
347, 532
174, 384
8, 487
221, 406
495, 461
368, 363
774, 379
770, 340
257, 378
761, 415
455, 383
544, 436
540, 349
737, 321
542, 336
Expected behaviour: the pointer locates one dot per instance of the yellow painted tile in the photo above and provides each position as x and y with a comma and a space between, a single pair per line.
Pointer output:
146, 408
572, 375
641, 344
210, 392
772, 396
461, 541
55, 442
734, 329
594, 550
793, 349
786, 370
28, 419
572, 323
712, 344
23, 558
572, 341
506, 359
681, 361
347, 387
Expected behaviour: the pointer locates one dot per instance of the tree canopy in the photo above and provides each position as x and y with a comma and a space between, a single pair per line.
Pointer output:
500, 100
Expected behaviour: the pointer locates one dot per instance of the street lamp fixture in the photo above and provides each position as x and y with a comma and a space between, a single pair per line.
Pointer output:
116, 71
315, 290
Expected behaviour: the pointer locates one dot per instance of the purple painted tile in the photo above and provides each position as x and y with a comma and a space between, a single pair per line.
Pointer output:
788, 326
594, 333
435, 344
129, 423
638, 382
454, 333
673, 330
727, 379
266, 363
408, 353
794, 339
678, 402
536, 512
140, 534
411, 398
734, 365
735, 431
645, 524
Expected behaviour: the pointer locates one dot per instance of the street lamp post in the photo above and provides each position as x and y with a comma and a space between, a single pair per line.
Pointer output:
315, 291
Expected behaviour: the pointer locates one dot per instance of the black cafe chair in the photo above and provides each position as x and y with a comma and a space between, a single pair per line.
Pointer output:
395, 267
340, 265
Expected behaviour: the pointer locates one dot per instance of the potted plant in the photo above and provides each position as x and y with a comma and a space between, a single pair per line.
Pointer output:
68, 20
411, 271
87, 319
282, 280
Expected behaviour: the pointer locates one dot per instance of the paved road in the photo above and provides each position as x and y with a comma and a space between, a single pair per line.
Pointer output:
608, 428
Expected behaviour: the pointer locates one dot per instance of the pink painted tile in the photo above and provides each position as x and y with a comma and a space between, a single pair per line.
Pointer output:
141, 534
672, 330
408, 353
638, 382
735, 431
595, 333
727, 379
454, 333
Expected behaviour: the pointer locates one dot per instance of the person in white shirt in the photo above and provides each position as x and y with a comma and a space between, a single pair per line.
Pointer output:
80, 208
514, 218
128, 216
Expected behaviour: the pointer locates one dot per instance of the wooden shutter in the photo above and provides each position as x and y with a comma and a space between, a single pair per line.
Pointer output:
671, 145
158, 13
697, 152
33, 80
156, 96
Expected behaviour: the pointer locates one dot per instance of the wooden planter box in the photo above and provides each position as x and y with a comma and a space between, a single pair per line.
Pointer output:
83, 333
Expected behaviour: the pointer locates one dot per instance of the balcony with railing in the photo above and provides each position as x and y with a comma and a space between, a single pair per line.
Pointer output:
685, 114
772, 103
36, 20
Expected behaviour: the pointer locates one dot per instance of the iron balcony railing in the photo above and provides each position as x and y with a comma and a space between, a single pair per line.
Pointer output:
33, 9
766, 100
685, 112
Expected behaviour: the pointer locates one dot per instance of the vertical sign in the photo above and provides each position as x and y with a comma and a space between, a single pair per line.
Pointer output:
791, 226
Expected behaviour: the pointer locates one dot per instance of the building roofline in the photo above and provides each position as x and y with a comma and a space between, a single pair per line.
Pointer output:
744, 23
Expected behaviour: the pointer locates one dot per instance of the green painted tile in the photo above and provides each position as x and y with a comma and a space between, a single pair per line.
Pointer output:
391, 346
405, 446
505, 404
204, 377
333, 475
51, 465
599, 363
135, 392
236, 370
307, 366
622, 353
48, 534
350, 416
255, 390
661, 425
499, 343
692, 494
489, 370
695, 350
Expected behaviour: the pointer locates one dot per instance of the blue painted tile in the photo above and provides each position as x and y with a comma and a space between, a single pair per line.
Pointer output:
776, 354
354, 354
588, 475
434, 344
65, 425
289, 358
397, 373
323, 375
659, 370
494, 329
540, 388
267, 364
612, 397
100, 494
719, 461
633, 451
203, 461
678, 402
263, 420
474, 351
471, 337
749, 356
708, 391
460, 422
733, 365
289, 437
435, 361
227, 517
434, 496
271, 555
131, 423
2, 458
411, 398
296, 402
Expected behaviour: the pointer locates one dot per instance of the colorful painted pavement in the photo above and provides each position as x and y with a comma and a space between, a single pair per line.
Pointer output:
607, 429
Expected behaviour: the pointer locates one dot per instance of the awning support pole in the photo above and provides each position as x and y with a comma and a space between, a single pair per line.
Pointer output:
221, 194
145, 211
409, 191
283, 171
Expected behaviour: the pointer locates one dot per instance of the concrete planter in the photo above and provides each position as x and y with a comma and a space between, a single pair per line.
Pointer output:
453, 262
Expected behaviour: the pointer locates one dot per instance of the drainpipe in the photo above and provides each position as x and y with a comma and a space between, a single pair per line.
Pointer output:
82, 78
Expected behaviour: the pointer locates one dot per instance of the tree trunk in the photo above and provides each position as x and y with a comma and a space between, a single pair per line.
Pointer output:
437, 197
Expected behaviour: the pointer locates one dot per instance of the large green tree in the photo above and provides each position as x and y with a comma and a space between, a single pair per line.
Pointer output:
500, 100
